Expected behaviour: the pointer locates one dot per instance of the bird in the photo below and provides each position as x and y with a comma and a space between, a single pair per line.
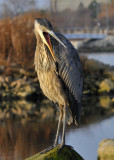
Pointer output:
60, 74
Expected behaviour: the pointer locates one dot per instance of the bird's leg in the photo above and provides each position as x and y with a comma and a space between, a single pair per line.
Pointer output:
57, 134
58, 128
64, 126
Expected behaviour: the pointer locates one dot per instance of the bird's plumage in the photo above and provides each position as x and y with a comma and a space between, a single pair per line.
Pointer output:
70, 72
69, 67
59, 72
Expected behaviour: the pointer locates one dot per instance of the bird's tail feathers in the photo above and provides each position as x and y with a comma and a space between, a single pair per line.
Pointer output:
74, 109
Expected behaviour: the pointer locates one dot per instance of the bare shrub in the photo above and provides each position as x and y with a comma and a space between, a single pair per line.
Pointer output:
17, 40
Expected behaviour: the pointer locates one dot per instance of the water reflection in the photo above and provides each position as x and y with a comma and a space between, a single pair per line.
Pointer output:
85, 139
21, 140
18, 141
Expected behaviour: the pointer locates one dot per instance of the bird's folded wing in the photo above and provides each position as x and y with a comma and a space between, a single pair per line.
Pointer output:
71, 74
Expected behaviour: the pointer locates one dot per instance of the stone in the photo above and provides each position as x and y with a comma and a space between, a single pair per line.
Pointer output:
91, 65
65, 153
113, 100
18, 83
26, 90
110, 74
2, 79
105, 101
106, 86
106, 150
8, 79
22, 71
2, 68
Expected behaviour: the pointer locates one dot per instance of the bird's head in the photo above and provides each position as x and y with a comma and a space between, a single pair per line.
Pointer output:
44, 28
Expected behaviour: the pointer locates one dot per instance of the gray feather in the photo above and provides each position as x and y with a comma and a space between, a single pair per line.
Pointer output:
69, 67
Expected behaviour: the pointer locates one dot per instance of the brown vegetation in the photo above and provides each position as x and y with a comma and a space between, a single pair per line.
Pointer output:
16, 141
102, 15
17, 40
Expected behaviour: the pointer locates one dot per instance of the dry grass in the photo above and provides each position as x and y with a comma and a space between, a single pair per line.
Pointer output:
17, 39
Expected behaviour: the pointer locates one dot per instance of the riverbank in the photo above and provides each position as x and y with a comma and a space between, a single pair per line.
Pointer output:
102, 45
22, 98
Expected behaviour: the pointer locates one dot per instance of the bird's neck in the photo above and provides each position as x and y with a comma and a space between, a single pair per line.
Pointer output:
43, 59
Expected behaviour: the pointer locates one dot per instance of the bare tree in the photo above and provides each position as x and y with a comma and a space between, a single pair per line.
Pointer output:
6, 11
20, 6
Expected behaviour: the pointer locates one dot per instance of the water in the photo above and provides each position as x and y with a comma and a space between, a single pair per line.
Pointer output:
21, 140
85, 140
18, 141
106, 58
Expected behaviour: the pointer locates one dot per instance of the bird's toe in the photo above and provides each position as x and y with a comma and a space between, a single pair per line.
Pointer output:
47, 149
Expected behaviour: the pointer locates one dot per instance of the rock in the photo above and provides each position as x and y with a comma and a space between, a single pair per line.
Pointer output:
105, 101
2, 79
106, 86
22, 71
35, 80
28, 73
94, 66
65, 153
106, 149
18, 83
26, 91
2, 114
6, 86
8, 79
2, 67
113, 100
17, 111
109, 74
90, 65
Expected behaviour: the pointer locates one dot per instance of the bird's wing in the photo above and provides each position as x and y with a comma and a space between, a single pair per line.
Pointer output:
69, 68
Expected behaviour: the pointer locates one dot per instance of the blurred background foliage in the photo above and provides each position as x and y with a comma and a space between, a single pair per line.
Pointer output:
17, 40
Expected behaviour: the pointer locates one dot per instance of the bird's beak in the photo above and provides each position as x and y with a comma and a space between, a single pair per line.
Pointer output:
54, 36
48, 41
45, 36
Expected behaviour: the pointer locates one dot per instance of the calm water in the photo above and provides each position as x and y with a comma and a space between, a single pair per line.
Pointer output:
85, 140
21, 140
106, 58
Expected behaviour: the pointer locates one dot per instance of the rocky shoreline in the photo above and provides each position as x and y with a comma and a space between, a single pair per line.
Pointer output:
102, 45
20, 90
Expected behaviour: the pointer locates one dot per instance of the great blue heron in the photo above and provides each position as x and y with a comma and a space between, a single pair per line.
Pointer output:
59, 72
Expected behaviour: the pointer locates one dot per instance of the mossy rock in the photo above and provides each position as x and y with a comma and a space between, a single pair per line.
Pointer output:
66, 153
106, 150
106, 86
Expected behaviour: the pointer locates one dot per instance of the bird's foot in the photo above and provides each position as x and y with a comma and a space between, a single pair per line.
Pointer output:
47, 150
61, 146
64, 145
